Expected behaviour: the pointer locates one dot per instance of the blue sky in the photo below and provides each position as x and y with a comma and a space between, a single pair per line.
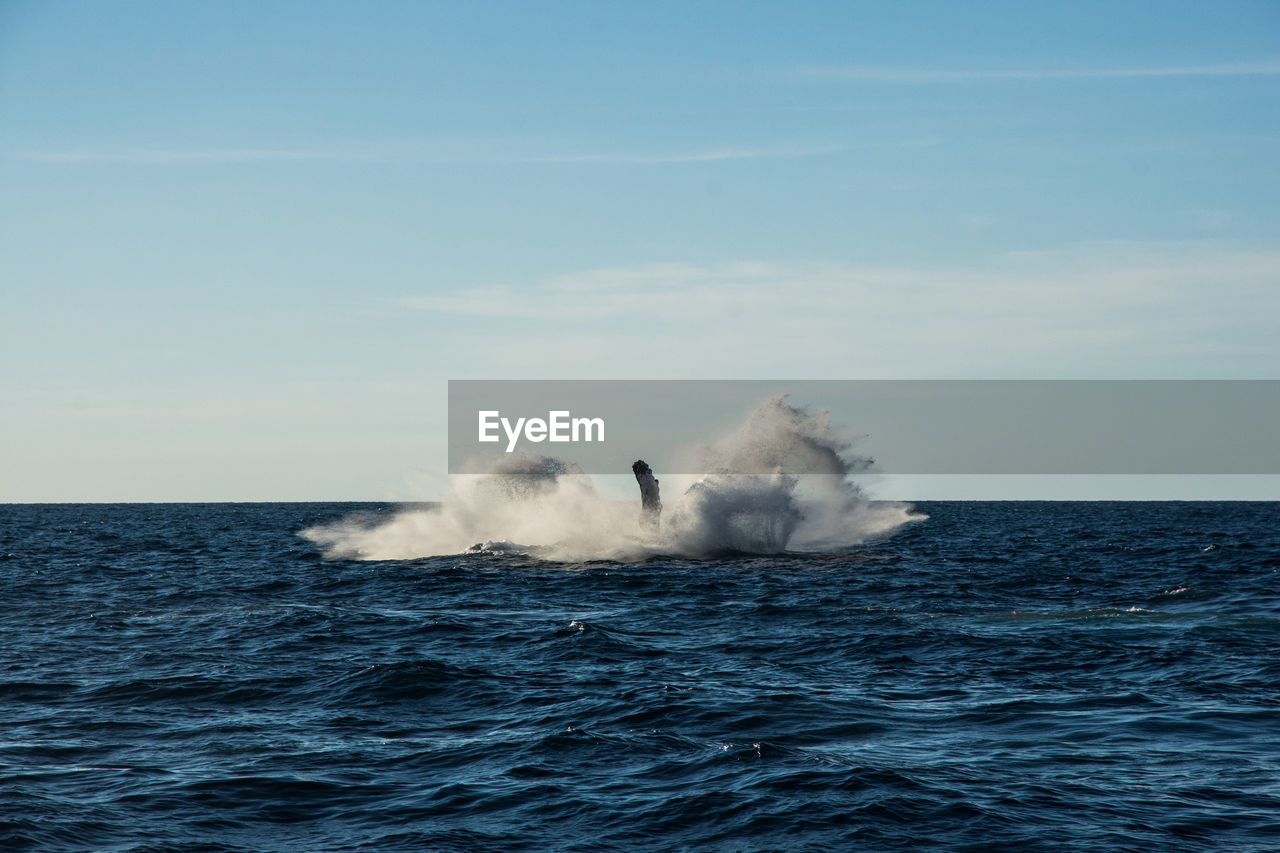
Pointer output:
244, 245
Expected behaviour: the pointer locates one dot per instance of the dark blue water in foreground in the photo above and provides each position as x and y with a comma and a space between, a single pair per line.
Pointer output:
1003, 676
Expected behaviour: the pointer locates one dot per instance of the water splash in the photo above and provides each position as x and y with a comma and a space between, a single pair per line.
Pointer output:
548, 508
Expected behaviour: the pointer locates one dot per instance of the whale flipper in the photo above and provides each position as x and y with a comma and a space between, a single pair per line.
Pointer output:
650, 502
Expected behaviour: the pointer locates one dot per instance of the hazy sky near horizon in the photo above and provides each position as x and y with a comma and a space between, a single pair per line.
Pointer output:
243, 245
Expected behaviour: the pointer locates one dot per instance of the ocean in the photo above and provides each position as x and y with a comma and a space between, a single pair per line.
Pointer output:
996, 676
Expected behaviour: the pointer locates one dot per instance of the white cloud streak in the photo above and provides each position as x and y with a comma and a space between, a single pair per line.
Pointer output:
1098, 311
193, 156
707, 156
409, 154
919, 76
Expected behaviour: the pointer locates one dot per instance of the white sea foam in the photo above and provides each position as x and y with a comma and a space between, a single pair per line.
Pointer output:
549, 508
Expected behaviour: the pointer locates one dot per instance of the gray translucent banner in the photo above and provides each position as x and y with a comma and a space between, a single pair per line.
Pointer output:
905, 426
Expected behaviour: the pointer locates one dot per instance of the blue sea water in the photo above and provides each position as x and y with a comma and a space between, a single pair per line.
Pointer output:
1002, 676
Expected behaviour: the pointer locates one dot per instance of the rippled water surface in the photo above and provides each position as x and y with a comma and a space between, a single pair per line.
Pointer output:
1002, 676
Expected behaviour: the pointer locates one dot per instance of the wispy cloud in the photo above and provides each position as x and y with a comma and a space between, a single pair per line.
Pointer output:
705, 156
1108, 309
180, 156
909, 75
413, 153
